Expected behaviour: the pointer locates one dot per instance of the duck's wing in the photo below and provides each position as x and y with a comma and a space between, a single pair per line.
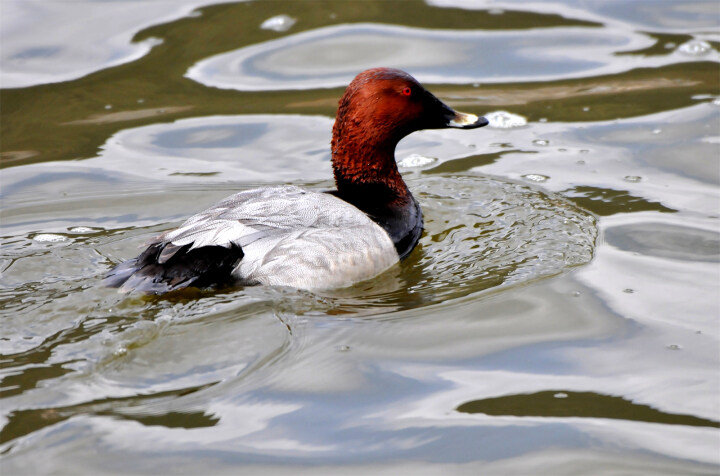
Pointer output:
270, 235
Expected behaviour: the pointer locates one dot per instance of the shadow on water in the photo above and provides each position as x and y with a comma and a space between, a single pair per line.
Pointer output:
563, 404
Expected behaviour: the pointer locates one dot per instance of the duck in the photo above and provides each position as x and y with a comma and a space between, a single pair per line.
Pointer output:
290, 236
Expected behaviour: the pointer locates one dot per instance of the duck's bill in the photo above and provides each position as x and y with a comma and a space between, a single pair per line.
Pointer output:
462, 120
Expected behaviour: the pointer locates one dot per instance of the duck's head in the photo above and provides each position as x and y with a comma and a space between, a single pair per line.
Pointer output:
390, 104
380, 107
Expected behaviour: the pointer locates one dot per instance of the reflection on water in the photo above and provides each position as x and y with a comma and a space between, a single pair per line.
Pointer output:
330, 57
563, 298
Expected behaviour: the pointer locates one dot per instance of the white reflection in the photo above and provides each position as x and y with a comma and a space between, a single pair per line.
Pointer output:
640, 15
331, 56
78, 37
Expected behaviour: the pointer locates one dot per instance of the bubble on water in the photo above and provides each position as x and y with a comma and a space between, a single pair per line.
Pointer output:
49, 238
195, 14
541, 142
674, 347
576, 294
586, 109
81, 229
542, 119
628, 290
108, 106
140, 101
342, 348
670, 45
716, 102
561, 395
505, 120
632, 178
120, 351
695, 48
416, 160
656, 131
536, 178
278, 23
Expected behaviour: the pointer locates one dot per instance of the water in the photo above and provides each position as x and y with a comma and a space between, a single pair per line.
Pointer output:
560, 311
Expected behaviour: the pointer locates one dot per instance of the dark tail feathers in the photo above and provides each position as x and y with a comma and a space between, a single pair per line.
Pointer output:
202, 267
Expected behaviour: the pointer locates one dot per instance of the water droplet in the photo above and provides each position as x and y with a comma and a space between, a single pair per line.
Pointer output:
542, 119
536, 178
541, 142
632, 178
657, 131
505, 120
49, 238
586, 109
560, 395
628, 290
695, 48
108, 106
674, 347
278, 23
80, 229
416, 160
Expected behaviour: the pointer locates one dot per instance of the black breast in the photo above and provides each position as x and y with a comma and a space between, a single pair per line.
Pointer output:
401, 217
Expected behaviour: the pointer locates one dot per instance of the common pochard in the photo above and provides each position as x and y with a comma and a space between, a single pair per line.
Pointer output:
289, 236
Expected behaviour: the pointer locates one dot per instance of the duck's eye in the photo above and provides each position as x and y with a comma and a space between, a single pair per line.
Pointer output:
407, 91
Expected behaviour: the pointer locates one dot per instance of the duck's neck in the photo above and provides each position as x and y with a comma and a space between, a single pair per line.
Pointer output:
368, 178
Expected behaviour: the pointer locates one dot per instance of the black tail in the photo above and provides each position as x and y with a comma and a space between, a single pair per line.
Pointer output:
150, 273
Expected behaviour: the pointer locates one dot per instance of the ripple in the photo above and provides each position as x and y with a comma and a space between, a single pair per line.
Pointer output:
278, 23
480, 233
666, 241
331, 56
695, 48
416, 160
506, 120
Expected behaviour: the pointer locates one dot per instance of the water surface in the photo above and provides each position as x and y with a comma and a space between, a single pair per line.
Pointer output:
560, 311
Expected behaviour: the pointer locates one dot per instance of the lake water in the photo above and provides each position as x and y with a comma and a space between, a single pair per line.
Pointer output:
561, 314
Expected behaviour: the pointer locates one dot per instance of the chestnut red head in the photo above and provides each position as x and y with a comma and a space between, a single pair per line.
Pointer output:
378, 108
393, 103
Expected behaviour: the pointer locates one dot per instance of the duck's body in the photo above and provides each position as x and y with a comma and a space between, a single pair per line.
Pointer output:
288, 236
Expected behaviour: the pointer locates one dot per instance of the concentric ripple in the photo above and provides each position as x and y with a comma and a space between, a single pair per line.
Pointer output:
482, 233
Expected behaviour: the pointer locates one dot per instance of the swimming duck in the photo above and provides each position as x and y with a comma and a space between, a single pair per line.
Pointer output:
290, 236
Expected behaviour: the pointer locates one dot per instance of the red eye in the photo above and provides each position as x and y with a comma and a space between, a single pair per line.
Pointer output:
407, 92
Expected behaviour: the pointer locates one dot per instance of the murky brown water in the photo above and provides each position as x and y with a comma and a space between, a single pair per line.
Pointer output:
560, 313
